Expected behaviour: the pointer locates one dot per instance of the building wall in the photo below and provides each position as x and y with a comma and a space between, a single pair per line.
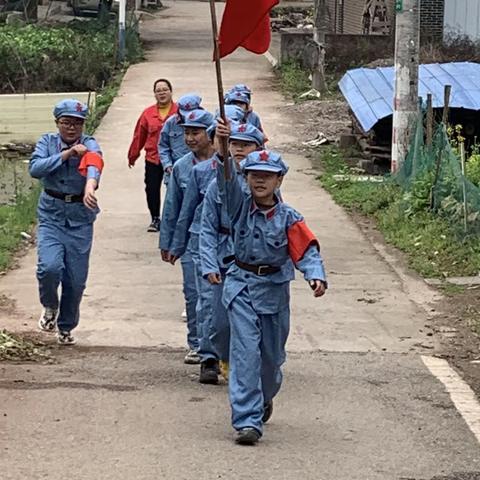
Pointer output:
463, 16
349, 16
431, 19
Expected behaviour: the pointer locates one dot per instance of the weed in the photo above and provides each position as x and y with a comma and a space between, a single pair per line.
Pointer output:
76, 57
15, 219
14, 347
293, 79
450, 289
432, 246
103, 101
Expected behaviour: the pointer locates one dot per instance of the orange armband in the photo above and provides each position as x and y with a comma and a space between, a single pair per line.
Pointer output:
90, 159
300, 238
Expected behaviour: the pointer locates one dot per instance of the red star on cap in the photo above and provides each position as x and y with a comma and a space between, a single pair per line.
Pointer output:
239, 94
79, 107
187, 106
263, 156
242, 128
191, 116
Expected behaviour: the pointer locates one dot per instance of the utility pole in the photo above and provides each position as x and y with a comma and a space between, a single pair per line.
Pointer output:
122, 7
405, 103
319, 33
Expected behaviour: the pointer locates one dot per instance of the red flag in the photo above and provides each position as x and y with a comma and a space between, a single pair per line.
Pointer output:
245, 23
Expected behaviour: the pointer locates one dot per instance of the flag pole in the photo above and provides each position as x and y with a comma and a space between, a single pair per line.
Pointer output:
221, 101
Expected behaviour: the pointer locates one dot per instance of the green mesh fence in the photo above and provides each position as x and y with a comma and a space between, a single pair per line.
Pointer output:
432, 179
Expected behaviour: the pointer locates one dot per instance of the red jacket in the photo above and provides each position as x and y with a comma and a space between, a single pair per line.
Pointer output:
146, 134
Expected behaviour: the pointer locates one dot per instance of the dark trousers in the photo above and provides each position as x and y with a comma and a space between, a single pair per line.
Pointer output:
153, 184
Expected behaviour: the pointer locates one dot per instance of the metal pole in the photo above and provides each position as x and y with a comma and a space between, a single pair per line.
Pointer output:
405, 106
121, 29
221, 100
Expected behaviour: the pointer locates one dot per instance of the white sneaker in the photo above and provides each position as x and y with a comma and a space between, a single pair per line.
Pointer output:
192, 358
65, 338
184, 315
48, 319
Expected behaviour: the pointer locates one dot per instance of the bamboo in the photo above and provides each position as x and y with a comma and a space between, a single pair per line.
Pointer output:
446, 103
429, 120
464, 186
221, 100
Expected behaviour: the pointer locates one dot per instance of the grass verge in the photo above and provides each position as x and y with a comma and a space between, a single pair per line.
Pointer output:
104, 99
431, 245
15, 219
294, 81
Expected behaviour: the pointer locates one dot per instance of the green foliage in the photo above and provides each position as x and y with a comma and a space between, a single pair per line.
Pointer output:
472, 169
364, 197
15, 219
432, 246
103, 101
293, 79
417, 199
79, 56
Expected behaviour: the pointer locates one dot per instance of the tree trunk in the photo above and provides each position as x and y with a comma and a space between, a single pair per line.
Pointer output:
319, 33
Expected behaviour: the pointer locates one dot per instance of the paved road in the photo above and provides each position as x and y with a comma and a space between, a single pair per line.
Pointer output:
358, 402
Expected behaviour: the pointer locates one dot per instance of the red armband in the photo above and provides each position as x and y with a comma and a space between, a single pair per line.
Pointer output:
300, 238
90, 159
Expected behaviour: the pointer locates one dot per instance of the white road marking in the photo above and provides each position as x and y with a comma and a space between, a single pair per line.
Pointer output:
271, 58
461, 394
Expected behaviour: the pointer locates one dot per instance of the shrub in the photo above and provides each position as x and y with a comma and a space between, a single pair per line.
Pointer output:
80, 56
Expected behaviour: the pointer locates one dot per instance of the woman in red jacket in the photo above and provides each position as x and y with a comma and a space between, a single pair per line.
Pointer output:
145, 137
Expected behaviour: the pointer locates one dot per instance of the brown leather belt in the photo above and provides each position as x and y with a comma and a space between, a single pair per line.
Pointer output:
257, 269
66, 197
224, 230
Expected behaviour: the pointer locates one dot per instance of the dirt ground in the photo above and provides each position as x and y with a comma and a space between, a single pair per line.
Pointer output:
456, 317
329, 118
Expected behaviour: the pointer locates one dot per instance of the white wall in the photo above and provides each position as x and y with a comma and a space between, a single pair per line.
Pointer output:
463, 16
24, 118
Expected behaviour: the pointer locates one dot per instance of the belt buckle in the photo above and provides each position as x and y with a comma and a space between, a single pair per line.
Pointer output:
261, 270
68, 198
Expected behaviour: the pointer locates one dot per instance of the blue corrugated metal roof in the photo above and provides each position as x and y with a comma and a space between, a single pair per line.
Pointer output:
369, 91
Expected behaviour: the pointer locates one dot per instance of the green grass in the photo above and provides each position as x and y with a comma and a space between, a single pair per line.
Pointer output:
104, 99
433, 249
15, 219
294, 81
451, 289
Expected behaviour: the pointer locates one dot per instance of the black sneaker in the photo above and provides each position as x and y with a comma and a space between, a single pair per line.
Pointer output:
209, 371
154, 226
247, 436
48, 319
65, 338
267, 411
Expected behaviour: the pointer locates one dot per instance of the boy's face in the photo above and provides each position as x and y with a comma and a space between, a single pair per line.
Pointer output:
263, 184
239, 149
196, 138
70, 128
243, 106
